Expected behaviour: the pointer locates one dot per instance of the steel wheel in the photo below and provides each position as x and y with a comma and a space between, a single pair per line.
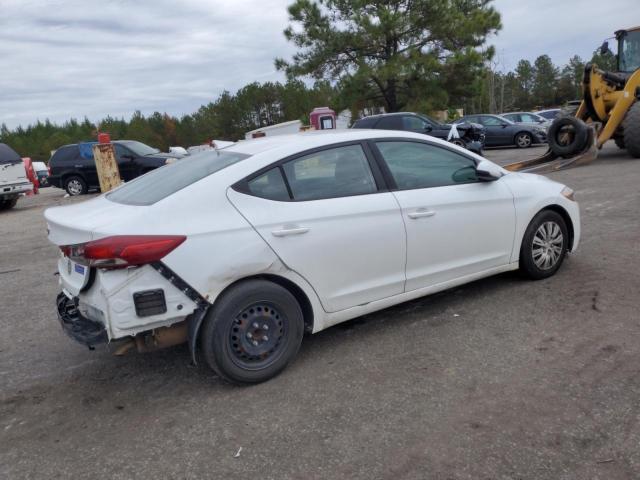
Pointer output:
548, 245
252, 332
524, 140
255, 337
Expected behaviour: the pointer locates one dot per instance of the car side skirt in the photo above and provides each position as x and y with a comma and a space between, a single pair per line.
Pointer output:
344, 315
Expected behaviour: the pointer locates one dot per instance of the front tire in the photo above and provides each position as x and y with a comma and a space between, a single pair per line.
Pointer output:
631, 127
544, 245
75, 185
524, 140
253, 332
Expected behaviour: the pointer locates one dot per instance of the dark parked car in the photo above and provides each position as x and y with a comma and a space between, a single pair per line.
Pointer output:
502, 132
74, 169
471, 136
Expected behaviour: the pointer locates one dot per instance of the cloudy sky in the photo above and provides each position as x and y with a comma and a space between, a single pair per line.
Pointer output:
70, 58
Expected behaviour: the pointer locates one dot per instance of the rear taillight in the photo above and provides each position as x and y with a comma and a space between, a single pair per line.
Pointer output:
123, 251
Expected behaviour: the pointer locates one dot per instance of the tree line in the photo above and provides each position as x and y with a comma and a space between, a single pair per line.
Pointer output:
361, 55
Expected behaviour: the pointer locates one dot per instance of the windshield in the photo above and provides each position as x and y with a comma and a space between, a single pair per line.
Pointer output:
429, 119
629, 51
139, 148
165, 181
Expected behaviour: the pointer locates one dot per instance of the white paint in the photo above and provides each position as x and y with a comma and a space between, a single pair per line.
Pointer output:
358, 254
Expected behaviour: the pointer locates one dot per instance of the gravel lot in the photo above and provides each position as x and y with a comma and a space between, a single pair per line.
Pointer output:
500, 379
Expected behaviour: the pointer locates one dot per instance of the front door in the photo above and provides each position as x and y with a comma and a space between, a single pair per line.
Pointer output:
456, 226
127, 163
497, 131
323, 214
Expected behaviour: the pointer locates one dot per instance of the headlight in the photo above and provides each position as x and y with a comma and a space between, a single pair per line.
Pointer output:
568, 193
169, 160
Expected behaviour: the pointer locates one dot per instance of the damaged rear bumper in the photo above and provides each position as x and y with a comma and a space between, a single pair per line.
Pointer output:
79, 328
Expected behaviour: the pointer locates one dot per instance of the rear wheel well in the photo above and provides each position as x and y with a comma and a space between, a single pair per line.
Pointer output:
295, 290
567, 220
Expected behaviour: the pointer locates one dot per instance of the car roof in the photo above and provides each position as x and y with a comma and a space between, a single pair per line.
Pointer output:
392, 114
311, 139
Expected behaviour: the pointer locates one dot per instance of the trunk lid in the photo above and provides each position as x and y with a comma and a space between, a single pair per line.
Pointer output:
81, 222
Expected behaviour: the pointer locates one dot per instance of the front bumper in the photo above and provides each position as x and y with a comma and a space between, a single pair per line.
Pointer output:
79, 328
539, 137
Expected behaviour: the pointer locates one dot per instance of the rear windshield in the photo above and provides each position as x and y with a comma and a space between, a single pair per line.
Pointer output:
167, 180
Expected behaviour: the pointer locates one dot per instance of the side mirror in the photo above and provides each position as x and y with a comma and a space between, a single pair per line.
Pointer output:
127, 157
428, 128
604, 48
504, 125
487, 171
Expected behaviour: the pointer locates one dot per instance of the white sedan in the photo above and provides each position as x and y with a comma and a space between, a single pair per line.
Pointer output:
240, 251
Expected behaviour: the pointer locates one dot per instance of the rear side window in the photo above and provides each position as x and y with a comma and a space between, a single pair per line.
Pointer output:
165, 181
65, 155
420, 165
269, 185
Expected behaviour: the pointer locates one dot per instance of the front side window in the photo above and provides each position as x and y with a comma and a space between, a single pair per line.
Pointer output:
514, 117
335, 172
420, 165
414, 123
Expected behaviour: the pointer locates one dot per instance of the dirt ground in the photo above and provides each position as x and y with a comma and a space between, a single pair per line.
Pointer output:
500, 379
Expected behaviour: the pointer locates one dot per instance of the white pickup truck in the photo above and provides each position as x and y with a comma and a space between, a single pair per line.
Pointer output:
13, 177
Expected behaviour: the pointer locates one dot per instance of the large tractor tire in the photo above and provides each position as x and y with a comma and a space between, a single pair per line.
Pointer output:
567, 136
620, 143
631, 125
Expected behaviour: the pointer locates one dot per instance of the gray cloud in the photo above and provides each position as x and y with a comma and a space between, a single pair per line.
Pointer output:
63, 59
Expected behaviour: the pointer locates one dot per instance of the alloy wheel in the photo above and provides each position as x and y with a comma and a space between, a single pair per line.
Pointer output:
74, 187
548, 243
523, 140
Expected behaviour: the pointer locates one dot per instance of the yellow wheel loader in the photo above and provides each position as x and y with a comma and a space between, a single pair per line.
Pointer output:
609, 110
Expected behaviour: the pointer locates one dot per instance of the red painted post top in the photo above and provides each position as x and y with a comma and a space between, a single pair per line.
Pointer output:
104, 138
323, 118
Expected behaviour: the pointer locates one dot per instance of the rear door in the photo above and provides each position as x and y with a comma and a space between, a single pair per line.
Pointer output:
456, 226
326, 215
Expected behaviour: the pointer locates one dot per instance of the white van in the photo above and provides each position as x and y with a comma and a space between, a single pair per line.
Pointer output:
13, 177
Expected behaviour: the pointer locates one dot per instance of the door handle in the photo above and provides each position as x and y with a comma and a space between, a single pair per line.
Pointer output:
421, 213
289, 231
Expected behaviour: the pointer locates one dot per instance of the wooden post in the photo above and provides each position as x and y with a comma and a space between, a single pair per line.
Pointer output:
106, 164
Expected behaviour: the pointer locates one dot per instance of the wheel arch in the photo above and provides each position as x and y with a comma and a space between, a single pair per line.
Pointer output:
565, 216
515, 136
298, 293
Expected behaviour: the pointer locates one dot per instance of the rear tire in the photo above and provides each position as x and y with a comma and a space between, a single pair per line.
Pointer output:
631, 125
75, 185
544, 245
253, 332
